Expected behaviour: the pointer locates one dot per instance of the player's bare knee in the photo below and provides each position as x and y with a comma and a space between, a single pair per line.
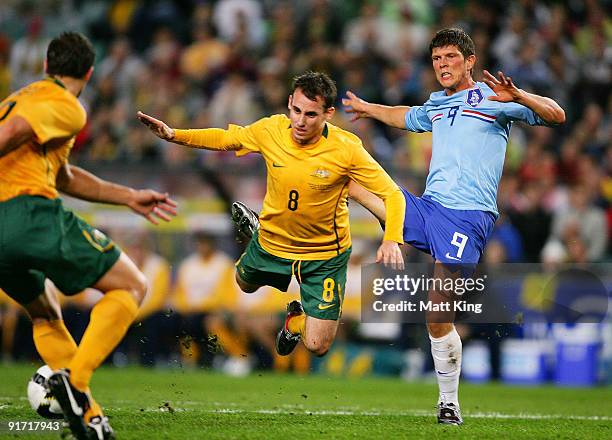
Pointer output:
317, 346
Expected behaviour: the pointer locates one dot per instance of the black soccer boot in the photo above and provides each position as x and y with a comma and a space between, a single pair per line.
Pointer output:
285, 340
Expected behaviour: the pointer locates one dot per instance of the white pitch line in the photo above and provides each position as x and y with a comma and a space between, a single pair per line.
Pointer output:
415, 413
301, 409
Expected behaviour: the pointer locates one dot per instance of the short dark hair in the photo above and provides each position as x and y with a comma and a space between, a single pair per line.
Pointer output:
70, 54
313, 84
453, 37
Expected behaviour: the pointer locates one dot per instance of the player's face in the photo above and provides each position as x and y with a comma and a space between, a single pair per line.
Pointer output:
451, 68
307, 117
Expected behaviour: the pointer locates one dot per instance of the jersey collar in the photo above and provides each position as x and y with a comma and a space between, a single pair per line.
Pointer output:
56, 81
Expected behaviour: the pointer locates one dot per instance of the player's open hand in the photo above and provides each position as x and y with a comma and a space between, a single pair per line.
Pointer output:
153, 205
390, 255
355, 106
504, 88
159, 128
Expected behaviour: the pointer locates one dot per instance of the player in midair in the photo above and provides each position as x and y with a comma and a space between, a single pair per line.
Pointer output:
41, 239
304, 222
454, 217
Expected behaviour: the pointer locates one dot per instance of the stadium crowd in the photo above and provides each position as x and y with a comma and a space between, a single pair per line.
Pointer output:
197, 63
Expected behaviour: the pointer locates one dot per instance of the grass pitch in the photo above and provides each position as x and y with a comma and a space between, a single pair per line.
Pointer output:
179, 404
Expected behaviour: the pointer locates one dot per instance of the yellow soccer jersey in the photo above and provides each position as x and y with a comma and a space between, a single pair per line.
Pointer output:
55, 116
305, 213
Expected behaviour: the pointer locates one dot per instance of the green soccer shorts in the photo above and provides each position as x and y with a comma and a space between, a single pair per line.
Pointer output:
321, 281
40, 239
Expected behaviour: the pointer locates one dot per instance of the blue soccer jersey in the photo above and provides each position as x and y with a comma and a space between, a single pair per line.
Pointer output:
470, 134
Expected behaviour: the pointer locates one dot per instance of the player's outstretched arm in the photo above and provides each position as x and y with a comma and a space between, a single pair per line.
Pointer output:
506, 91
358, 108
79, 183
215, 139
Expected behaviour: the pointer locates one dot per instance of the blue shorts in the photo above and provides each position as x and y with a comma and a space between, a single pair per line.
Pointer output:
449, 235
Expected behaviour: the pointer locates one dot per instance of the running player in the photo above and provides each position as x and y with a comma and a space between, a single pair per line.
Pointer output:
304, 222
40, 239
452, 220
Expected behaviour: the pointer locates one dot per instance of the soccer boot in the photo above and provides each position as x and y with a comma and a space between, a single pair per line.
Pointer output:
246, 220
74, 403
285, 340
98, 428
449, 414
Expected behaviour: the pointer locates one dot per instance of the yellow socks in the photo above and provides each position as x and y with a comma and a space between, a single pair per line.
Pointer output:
297, 324
54, 343
56, 347
109, 321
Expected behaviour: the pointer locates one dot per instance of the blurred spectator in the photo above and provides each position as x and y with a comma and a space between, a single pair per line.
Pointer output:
28, 55
151, 336
205, 289
202, 57
579, 232
370, 33
528, 69
234, 102
236, 19
506, 45
122, 66
531, 220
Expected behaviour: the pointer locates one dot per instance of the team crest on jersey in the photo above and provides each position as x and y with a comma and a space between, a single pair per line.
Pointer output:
321, 173
474, 97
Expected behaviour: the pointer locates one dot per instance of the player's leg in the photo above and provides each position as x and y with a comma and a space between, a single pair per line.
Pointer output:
319, 334
446, 351
457, 240
85, 257
52, 243
124, 288
247, 224
29, 226
315, 319
53, 341
257, 268
245, 286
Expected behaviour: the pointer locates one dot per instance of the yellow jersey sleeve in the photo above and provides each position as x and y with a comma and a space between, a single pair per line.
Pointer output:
58, 116
369, 174
243, 140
